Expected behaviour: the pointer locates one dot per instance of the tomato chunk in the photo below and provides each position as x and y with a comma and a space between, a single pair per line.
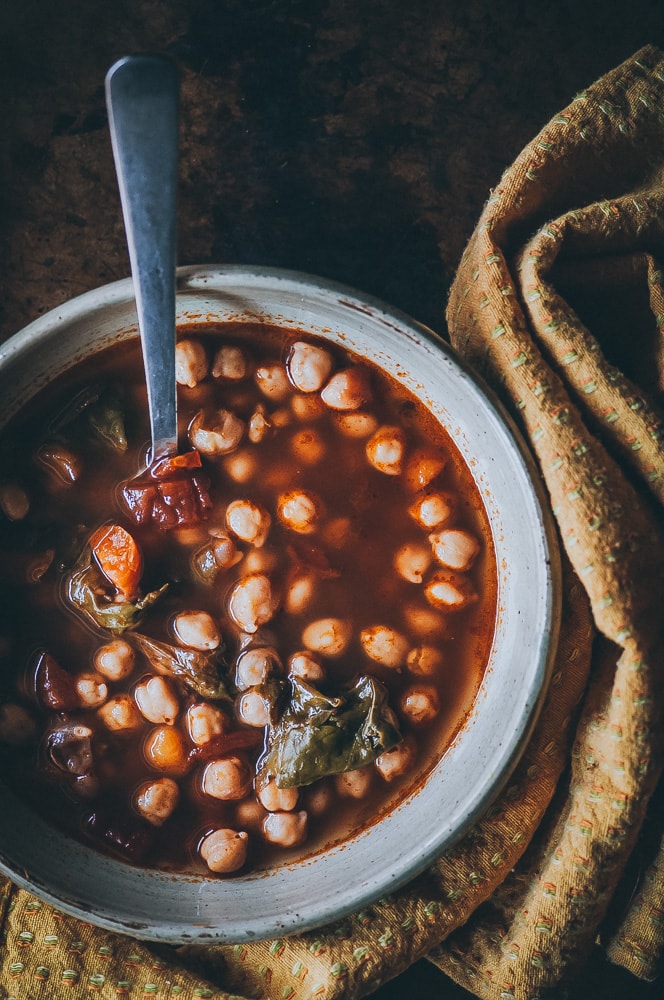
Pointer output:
170, 494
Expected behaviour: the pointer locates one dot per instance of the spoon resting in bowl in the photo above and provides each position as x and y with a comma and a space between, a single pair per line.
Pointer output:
142, 97
142, 102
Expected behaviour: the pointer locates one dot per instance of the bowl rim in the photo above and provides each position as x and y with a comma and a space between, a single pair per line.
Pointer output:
219, 279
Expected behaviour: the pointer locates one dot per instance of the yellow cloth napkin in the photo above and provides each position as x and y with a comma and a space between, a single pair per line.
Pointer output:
558, 302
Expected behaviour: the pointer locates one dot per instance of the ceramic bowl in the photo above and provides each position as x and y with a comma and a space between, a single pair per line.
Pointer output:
170, 908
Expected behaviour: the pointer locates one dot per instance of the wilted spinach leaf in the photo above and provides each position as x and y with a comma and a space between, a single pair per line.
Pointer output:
318, 735
87, 591
106, 417
101, 409
202, 672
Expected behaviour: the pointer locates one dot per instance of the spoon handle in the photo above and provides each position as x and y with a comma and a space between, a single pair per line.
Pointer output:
142, 101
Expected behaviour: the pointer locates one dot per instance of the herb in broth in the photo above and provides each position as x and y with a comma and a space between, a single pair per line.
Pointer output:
99, 409
200, 671
249, 650
88, 592
107, 419
319, 735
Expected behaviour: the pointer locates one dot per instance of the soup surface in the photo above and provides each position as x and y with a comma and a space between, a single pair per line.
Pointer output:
238, 656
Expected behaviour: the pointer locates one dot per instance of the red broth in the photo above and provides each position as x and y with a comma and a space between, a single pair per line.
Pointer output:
230, 664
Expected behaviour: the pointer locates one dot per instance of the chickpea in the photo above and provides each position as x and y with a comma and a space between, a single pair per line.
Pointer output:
287, 829
197, 630
356, 424
253, 709
164, 749
423, 466
188, 535
396, 762
205, 721
231, 363
281, 417
299, 510
425, 660
216, 554
276, 799
384, 645
248, 521
433, 510
308, 446
249, 813
307, 407
218, 434
14, 501
327, 636
263, 560
17, 727
241, 466
450, 591
420, 704
424, 622
306, 666
254, 666
225, 851
258, 425
412, 561
454, 548
273, 381
300, 592
157, 800
319, 798
91, 689
354, 784
120, 713
227, 778
224, 549
157, 701
385, 450
308, 366
191, 363
251, 602
347, 390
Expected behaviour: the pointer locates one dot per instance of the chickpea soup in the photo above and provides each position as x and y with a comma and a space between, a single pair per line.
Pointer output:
251, 650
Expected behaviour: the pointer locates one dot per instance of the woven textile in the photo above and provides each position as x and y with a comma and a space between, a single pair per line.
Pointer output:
558, 303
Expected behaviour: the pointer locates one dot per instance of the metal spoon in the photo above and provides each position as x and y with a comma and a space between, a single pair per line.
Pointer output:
142, 99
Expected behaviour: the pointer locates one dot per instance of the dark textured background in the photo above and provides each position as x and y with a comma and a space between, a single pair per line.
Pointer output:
357, 140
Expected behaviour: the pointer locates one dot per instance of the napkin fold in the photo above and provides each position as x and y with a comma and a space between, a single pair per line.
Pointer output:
558, 302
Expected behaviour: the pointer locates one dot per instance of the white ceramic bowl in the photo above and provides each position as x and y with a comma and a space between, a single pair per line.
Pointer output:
158, 906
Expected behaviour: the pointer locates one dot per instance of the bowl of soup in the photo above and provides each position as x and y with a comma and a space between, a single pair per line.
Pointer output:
251, 687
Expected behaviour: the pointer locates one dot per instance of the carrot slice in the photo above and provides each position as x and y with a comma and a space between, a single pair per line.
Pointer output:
119, 558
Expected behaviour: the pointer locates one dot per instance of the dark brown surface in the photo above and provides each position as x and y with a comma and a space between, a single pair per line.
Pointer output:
354, 140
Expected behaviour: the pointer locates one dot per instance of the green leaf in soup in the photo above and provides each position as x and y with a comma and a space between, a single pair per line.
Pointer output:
319, 735
101, 408
106, 417
86, 590
202, 672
